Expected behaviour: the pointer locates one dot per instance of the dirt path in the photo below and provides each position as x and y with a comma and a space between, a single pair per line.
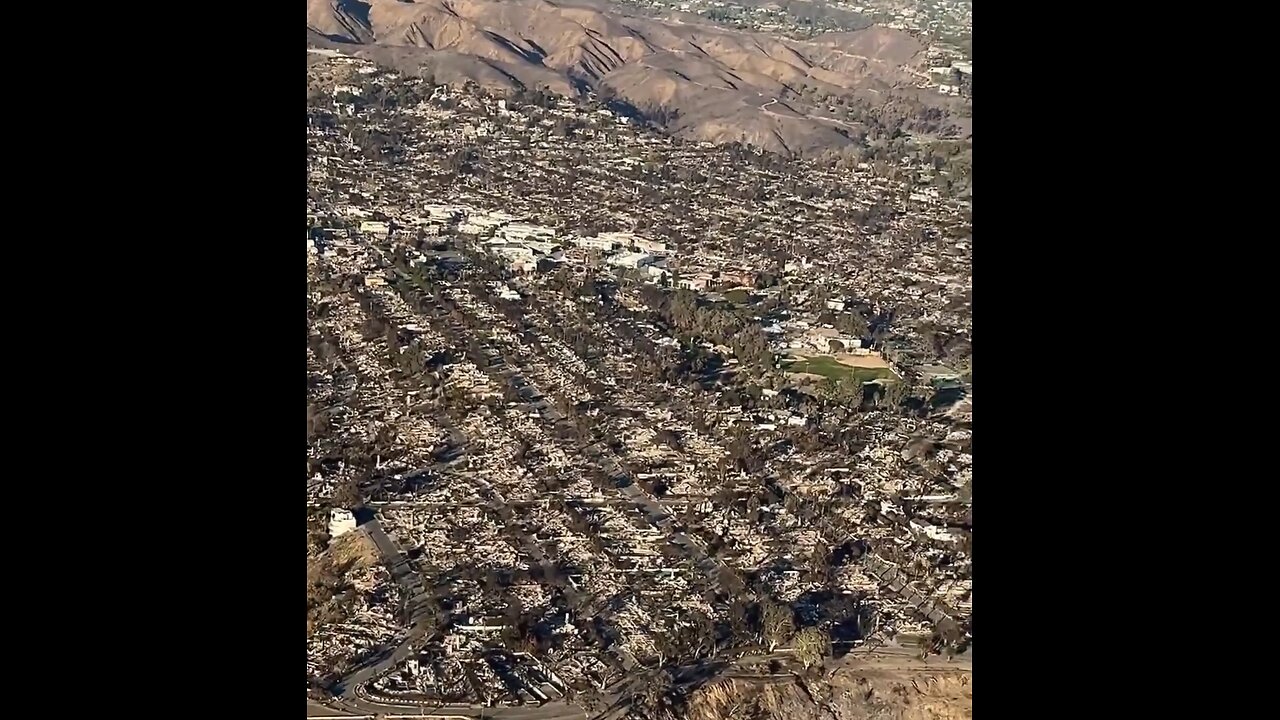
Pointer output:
862, 361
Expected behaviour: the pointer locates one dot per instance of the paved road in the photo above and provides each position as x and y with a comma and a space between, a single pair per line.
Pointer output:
315, 709
804, 116
352, 703
531, 501
420, 623
886, 657
468, 713
550, 711
383, 542
326, 52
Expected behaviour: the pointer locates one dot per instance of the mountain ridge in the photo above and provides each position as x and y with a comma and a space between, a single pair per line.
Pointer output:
719, 85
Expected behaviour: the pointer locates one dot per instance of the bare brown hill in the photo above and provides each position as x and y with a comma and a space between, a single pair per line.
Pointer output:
344, 20
718, 85
876, 43
852, 695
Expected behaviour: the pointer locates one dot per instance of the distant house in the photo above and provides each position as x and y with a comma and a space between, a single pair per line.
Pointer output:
515, 252
603, 242
933, 532
523, 266
481, 624
480, 223
518, 232
442, 213
631, 260
374, 227
650, 246
619, 238
895, 353
655, 272
341, 522
738, 277
697, 282
933, 374
820, 339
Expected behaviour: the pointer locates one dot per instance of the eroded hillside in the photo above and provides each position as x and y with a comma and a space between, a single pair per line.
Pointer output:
711, 83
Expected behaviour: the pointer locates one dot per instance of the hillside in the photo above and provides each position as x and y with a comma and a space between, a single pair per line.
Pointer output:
714, 84
859, 694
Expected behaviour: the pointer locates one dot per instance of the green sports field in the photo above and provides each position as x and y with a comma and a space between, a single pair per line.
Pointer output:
829, 367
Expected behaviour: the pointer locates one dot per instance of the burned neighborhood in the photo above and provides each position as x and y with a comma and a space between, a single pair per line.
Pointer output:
604, 420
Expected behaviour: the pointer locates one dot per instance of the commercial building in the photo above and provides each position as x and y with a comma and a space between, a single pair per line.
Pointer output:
603, 242
519, 232
374, 227
630, 260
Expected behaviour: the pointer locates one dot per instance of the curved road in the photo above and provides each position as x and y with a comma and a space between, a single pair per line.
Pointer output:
804, 116
889, 658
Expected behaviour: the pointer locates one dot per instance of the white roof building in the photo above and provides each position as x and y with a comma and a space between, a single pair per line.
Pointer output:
630, 259
515, 252
341, 522
443, 212
490, 220
599, 242
651, 246
374, 227
523, 231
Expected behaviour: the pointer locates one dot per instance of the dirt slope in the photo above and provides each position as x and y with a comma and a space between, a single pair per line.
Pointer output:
865, 694
345, 20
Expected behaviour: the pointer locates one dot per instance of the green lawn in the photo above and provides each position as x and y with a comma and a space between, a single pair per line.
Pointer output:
738, 296
829, 367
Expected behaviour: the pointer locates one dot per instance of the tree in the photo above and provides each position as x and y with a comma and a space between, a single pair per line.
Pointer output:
652, 700
852, 324
812, 645
669, 438
894, 392
752, 347
462, 161
776, 625
697, 637
317, 423
927, 645
740, 623
347, 495
820, 562
563, 127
